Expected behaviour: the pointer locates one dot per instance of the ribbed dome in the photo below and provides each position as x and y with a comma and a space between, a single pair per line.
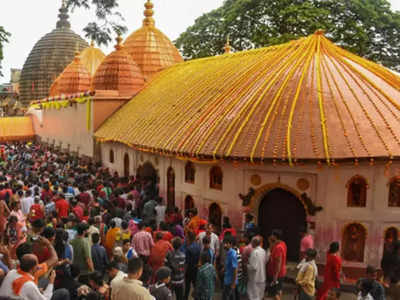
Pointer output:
119, 72
48, 58
74, 79
150, 48
304, 100
91, 58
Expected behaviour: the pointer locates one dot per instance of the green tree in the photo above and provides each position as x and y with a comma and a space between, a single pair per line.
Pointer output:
109, 19
366, 27
4, 35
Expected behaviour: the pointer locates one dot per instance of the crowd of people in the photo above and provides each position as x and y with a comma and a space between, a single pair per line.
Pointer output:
71, 229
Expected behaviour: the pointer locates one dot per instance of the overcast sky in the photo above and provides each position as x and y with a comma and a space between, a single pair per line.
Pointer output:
29, 20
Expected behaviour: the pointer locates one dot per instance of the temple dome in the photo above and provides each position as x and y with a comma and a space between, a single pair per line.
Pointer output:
150, 48
48, 58
91, 58
306, 100
119, 72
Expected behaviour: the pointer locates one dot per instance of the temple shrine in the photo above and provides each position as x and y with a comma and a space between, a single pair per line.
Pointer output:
303, 133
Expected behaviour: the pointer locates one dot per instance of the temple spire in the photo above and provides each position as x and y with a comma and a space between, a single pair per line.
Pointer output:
227, 47
148, 13
118, 46
63, 16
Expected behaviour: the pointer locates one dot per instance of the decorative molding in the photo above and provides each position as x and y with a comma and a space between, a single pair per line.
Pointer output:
303, 184
255, 179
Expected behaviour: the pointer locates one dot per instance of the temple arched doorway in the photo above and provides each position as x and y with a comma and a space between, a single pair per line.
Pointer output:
147, 172
126, 165
280, 209
189, 202
215, 216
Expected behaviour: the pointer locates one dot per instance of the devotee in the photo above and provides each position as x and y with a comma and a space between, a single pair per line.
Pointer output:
159, 252
230, 269
114, 273
99, 254
256, 271
332, 272
82, 255
111, 237
130, 288
377, 290
307, 242
276, 268
160, 211
192, 260
206, 278
334, 294
214, 241
160, 289
175, 260
308, 272
26, 202
143, 242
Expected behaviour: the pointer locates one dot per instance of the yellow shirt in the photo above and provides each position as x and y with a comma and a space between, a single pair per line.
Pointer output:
306, 279
129, 289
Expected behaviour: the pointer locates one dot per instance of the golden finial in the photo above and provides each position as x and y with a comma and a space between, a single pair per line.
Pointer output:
118, 46
227, 46
148, 13
320, 32
92, 43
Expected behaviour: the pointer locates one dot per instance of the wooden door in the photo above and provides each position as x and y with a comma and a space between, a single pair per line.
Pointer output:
126, 165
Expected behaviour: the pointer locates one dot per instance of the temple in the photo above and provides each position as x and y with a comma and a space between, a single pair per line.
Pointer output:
303, 133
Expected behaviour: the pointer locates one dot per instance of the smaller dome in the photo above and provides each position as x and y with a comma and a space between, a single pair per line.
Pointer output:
75, 78
118, 71
54, 88
151, 49
91, 58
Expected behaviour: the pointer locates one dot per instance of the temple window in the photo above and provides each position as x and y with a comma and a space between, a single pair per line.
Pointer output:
215, 216
189, 203
391, 235
353, 242
216, 178
394, 192
111, 156
189, 172
357, 192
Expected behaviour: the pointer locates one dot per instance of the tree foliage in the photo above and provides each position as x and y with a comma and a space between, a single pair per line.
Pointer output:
4, 35
366, 27
109, 19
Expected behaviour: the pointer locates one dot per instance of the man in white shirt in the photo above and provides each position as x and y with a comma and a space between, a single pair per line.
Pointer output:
214, 245
256, 271
27, 202
21, 282
160, 209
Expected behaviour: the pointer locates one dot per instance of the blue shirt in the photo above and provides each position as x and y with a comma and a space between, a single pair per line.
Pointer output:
231, 264
192, 256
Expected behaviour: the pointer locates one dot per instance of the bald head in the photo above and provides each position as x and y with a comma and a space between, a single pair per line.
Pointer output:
255, 242
28, 263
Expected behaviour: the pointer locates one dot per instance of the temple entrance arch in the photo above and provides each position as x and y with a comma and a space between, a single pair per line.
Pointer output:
189, 202
147, 172
126, 165
282, 209
215, 216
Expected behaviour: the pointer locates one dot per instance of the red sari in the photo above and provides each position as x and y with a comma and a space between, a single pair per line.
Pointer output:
332, 271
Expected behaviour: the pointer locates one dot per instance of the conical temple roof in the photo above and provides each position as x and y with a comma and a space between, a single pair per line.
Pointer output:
91, 58
150, 48
74, 79
305, 100
119, 72
48, 58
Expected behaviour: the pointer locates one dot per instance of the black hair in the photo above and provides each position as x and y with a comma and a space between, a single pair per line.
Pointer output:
333, 247
97, 278
126, 241
81, 228
112, 265
277, 233
95, 238
135, 264
48, 232
176, 243
311, 253
25, 248
205, 257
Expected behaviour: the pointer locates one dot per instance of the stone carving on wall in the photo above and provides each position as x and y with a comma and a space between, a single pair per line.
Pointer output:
303, 184
246, 199
255, 179
312, 209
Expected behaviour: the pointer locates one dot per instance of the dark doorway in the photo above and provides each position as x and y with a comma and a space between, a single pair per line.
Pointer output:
189, 203
126, 165
215, 216
147, 172
280, 209
170, 187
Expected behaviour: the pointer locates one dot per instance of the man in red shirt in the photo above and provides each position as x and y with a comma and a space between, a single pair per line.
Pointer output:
77, 210
62, 207
276, 268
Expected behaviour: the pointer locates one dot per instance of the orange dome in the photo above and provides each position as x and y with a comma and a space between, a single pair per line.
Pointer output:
91, 58
54, 88
74, 79
150, 48
119, 72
